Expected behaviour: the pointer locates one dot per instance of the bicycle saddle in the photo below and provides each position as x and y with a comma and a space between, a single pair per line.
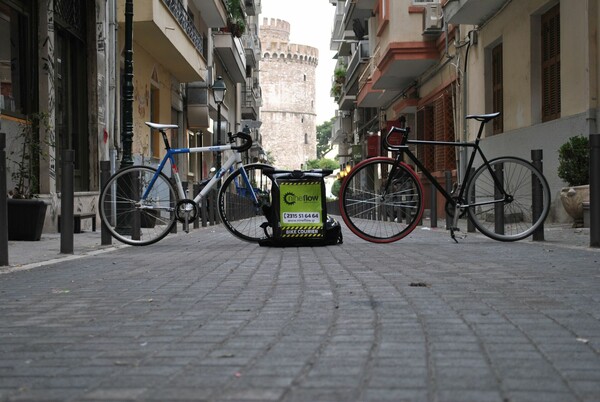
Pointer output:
158, 126
483, 117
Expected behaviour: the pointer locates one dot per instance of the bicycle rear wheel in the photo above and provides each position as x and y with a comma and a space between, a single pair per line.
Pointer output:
511, 218
130, 219
374, 214
238, 211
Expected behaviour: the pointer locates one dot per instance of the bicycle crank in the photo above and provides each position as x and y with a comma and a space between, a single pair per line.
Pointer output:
186, 211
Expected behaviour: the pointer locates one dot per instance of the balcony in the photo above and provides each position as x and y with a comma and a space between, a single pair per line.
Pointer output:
253, 7
165, 31
232, 53
213, 12
357, 9
357, 64
402, 62
473, 12
341, 131
251, 99
251, 45
368, 96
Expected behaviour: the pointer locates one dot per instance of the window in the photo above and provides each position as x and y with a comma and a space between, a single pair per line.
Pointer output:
497, 89
16, 69
435, 122
551, 64
71, 88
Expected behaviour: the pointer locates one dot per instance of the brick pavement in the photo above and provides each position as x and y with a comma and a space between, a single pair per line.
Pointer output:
207, 317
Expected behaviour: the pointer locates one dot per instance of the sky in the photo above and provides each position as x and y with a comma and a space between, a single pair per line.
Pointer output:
311, 22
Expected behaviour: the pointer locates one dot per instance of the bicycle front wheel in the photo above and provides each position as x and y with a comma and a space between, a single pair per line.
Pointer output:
512, 216
131, 219
380, 204
240, 214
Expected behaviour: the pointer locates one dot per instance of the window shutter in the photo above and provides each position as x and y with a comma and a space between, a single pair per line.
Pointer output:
425, 132
435, 122
551, 64
497, 89
444, 131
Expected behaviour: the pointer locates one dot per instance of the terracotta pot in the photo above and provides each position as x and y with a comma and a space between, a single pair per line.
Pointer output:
573, 198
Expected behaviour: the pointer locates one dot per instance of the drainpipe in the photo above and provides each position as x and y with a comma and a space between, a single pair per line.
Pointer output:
112, 67
463, 151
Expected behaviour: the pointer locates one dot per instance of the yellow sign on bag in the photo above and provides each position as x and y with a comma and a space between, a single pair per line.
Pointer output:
301, 209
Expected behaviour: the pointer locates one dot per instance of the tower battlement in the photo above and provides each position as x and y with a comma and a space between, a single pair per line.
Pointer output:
276, 29
274, 35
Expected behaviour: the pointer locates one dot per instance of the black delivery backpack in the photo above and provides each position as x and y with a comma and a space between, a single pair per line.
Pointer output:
297, 215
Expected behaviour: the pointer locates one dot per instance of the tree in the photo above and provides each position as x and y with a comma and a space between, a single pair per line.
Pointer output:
323, 137
323, 163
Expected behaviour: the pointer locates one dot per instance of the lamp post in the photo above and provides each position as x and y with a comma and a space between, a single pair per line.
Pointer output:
127, 127
219, 90
125, 224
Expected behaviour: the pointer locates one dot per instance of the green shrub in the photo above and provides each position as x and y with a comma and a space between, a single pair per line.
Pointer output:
574, 161
335, 189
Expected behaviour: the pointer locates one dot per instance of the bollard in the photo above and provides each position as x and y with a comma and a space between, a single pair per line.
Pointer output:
499, 207
213, 208
448, 177
594, 190
537, 195
105, 237
174, 205
470, 225
67, 202
204, 211
433, 207
3, 206
195, 191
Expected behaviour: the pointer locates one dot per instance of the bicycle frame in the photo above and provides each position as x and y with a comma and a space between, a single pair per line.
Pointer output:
476, 150
234, 159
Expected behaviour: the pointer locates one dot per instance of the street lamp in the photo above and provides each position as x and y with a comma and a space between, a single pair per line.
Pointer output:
219, 90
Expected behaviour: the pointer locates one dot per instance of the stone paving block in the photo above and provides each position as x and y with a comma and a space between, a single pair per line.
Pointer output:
333, 323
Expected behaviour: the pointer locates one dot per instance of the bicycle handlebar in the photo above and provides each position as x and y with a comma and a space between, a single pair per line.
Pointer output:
297, 174
247, 142
394, 129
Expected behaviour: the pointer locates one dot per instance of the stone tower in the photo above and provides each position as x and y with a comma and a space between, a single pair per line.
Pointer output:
288, 77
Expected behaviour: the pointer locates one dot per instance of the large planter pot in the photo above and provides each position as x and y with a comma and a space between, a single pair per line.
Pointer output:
573, 198
26, 219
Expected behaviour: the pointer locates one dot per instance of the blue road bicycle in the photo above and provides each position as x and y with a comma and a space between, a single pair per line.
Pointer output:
139, 205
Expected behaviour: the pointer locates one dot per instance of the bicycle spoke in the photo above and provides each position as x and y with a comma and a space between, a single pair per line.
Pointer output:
130, 219
512, 219
373, 214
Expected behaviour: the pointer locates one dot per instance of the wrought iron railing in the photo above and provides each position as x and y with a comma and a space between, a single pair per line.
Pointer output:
187, 24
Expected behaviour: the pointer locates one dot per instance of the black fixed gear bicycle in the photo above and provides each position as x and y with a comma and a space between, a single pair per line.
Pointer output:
506, 198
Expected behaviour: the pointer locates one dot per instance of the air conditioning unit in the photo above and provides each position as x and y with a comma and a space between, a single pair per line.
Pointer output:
363, 50
432, 19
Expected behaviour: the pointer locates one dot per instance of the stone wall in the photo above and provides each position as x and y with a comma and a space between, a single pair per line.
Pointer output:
288, 79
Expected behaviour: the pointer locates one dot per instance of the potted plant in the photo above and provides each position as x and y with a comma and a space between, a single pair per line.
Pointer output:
236, 20
26, 213
574, 169
340, 73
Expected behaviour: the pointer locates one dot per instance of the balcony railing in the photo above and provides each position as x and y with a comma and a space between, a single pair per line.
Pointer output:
187, 24
360, 55
252, 93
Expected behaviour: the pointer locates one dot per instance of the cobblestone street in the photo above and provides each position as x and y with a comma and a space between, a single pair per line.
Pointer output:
205, 316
